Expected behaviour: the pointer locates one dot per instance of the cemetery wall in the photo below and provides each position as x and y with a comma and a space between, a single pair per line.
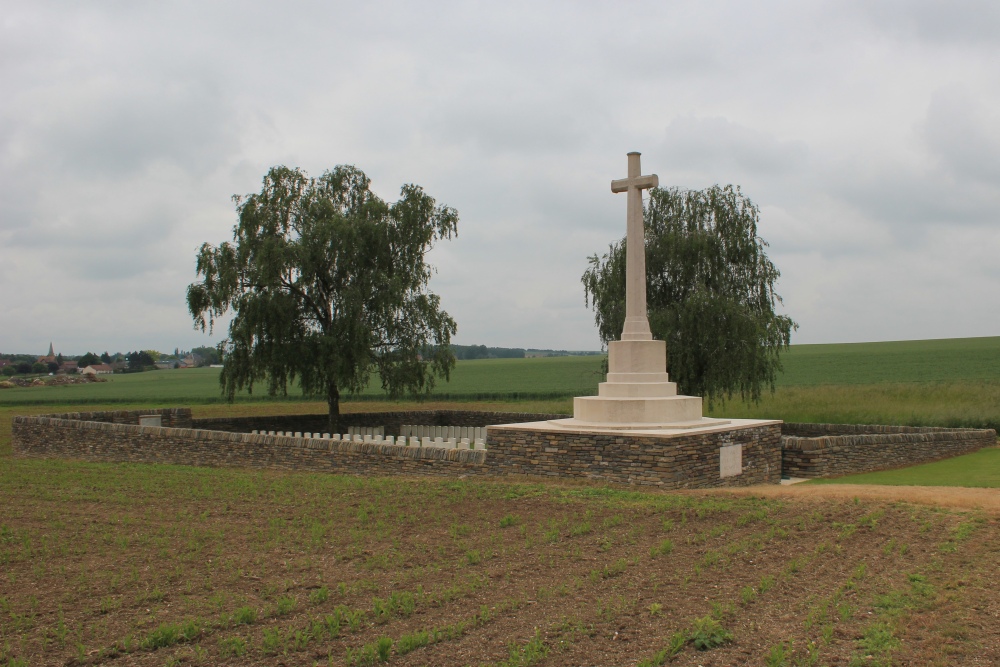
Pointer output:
48, 437
392, 421
824, 450
679, 462
804, 450
172, 417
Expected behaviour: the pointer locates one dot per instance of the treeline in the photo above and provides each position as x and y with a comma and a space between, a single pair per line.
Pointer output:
465, 352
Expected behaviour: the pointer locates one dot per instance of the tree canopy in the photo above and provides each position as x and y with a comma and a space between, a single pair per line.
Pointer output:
710, 292
327, 283
88, 359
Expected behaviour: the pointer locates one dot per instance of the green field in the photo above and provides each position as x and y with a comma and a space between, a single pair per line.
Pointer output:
946, 360
479, 379
952, 382
958, 360
979, 469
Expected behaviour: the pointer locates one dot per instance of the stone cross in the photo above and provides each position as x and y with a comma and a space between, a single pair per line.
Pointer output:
636, 321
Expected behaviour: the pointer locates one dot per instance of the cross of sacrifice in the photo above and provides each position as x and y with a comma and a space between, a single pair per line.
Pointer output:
636, 321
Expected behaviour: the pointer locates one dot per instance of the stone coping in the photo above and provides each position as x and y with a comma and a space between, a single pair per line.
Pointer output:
851, 435
581, 428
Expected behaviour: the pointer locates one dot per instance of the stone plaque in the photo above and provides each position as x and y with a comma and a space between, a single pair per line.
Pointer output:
151, 420
730, 460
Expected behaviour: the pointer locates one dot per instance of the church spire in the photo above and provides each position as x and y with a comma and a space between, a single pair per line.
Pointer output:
51, 352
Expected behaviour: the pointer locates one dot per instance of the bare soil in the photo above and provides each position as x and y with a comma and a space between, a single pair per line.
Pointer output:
163, 565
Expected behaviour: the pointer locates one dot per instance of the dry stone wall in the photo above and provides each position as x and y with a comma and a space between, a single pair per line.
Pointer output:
687, 461
825, 450
49, 437
679, 462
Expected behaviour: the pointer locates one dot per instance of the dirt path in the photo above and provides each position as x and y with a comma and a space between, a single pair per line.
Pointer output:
946, 496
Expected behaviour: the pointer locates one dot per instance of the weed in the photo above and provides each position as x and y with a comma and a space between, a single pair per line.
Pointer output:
779, 655
711, 558
398, 604
878, 639
319, 595
748, 594
245, 615
383, 647
662, 549
707, 633
285, 605
580, 529
533, 651
609, 571
509, 520
458, 530
273, 641
366, 656
766, 584
232, 646
721, 611
413, 641
655, 609
473, 557
168, 634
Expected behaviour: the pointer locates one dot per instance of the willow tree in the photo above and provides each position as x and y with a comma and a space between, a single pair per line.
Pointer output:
326, 285
710, 292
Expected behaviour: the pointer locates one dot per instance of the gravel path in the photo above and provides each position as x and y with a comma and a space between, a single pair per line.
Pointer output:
944, 496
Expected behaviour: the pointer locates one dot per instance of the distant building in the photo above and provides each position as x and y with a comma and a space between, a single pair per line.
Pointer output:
97, 369
49, 358
69, 367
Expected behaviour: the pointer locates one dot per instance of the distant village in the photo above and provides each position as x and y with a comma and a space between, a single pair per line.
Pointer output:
93, 364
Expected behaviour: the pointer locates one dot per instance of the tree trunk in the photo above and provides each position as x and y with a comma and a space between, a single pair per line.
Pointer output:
333, 397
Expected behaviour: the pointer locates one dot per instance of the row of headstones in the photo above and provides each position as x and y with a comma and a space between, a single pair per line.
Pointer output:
379, 439
468, 432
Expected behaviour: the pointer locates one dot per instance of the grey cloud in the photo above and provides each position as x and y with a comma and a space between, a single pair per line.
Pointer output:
958, 22
721, 145
962, 138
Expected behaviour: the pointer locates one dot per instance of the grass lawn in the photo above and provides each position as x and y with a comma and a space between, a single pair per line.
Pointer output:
979, 469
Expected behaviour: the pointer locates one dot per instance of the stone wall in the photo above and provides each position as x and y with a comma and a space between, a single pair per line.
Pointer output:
686, 461
392, 421
171, 417
48, 437
824, 450
677, 462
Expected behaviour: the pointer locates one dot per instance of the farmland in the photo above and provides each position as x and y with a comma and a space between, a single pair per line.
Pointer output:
952, 382
168, 565
163, 565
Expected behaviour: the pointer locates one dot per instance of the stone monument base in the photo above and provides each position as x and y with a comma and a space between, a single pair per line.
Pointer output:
710, 453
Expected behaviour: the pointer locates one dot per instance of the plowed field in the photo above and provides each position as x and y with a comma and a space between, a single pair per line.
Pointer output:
156, 565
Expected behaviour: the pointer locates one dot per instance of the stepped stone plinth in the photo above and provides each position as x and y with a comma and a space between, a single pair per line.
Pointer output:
638, 393
637, 429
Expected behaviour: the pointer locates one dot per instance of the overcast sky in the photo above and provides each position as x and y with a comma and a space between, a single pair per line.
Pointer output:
867, 132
